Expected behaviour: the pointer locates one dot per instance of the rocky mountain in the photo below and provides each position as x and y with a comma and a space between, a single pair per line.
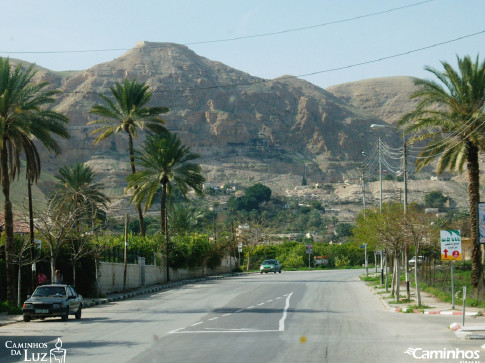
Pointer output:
247, 129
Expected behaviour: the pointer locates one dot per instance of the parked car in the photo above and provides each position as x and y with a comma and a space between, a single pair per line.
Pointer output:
412, 261
270, 266
53, 301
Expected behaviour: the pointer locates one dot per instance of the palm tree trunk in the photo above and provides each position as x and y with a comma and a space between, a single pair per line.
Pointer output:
474, 198
163, 226
133, 171
31, 228
9, 243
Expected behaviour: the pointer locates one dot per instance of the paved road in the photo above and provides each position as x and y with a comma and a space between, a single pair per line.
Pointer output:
320, 316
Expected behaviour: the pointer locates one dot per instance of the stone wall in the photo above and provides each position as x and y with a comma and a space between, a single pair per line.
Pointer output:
138, 275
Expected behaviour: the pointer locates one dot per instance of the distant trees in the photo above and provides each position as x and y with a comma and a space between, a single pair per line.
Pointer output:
435, 199
252, 198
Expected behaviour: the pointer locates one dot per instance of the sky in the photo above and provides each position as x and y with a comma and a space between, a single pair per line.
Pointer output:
325, 42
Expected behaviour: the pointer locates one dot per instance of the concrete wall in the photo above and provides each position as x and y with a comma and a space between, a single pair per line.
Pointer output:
111, 274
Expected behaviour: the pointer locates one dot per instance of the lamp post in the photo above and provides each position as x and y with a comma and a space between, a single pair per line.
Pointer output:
405, 204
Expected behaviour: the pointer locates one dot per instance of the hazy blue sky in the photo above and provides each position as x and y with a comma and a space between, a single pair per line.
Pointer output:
66, 25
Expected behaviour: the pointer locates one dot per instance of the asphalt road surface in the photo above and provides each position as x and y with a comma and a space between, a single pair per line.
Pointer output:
317, 316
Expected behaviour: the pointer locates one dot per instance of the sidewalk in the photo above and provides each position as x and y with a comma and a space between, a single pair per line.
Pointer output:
434, 306
90, 302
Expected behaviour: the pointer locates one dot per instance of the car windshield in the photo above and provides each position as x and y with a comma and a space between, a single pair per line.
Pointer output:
49, 291
269, 262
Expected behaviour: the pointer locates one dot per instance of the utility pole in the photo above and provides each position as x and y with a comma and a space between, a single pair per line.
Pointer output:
406, 246
125, 258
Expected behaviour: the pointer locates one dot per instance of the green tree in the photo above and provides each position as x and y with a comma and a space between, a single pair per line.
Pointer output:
167, 164
435, 199
128, 114
449, 114
76, 190
23, 119
182, 219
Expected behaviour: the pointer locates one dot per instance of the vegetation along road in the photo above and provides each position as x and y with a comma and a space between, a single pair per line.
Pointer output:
317, 316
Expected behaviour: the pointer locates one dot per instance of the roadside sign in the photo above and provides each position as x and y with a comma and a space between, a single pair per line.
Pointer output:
481, 222
309, 249
320, 260
239, 247
450, 245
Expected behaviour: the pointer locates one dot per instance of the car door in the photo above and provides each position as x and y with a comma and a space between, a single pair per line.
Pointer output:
72, 300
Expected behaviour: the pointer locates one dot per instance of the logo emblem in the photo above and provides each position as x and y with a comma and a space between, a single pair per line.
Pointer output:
58, 354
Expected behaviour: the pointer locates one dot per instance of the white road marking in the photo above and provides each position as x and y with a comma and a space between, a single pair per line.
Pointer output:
285, 313
175, 331
242, 330
223, 331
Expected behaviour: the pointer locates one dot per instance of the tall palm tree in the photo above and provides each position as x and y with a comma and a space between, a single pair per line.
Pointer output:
127, 114
167, 164
23, 118
75, 190
449, 114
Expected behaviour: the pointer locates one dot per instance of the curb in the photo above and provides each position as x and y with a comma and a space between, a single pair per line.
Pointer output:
393, 309
152, 289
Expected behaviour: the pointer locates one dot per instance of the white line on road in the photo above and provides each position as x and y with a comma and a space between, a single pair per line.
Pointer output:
197, 323
239, 310
223, 331
285, 313
250, 307
260, 304
227, 314
269, 300
279, 297
214, 318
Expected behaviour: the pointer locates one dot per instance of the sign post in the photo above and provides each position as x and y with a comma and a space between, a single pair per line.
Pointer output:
451, 251
239, 250
309, 251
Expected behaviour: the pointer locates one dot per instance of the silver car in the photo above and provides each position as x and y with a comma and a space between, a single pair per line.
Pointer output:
53, 301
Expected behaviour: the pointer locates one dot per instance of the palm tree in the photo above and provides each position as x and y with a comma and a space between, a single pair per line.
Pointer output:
183, 219
167, 165
23, 118
128, 113
75, 190
449, 114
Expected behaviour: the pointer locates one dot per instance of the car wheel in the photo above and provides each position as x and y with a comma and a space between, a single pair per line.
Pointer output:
274, 271
42, 318
78, 313
65, 316
279, 271
261, 272
26, 318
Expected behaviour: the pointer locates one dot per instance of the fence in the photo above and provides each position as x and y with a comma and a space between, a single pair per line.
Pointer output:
139, 274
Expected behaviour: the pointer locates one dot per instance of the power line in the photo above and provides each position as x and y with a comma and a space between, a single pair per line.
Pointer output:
260, 35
